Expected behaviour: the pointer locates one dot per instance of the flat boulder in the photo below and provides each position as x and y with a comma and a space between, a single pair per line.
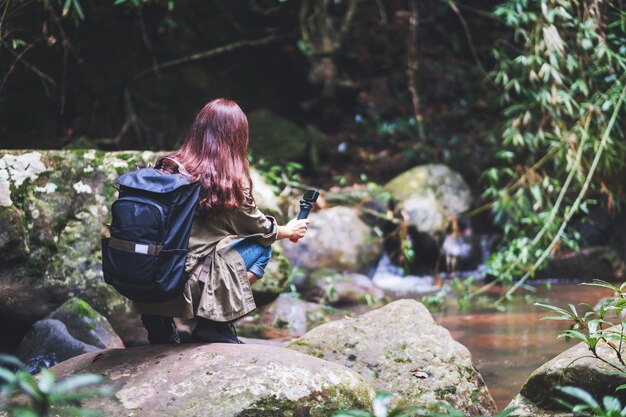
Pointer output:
399, 348
220, 380
575, 367
338, 239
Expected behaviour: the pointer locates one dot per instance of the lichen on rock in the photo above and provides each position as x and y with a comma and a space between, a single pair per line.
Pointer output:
399, 348
220, 380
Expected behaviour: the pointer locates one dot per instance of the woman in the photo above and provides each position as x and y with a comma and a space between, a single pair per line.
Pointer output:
230, 242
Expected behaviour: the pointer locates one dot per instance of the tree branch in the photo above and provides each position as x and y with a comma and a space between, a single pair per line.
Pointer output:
207, 54
468, 34
412, 68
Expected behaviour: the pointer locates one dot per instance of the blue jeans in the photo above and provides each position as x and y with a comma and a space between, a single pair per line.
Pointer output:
254, 255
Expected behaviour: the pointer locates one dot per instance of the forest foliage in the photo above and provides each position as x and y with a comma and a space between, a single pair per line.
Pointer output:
525, 98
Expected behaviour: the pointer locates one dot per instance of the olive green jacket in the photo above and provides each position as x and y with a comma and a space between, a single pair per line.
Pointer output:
227, 294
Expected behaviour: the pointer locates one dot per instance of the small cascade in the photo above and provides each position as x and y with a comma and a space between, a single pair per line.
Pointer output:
392, 278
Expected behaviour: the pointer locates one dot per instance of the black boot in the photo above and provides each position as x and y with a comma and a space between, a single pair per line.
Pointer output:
209, 331
161, 329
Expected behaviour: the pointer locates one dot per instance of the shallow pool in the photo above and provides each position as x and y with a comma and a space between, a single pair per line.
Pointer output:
508, 345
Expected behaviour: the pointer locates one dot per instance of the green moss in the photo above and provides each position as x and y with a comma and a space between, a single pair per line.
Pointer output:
308, 349
80, 308
318, 404
443, 392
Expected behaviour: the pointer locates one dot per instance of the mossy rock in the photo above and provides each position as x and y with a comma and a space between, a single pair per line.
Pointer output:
276, 139
286, 318
574, 367
56, 207
340, 289
430, 195
12, 235
62, 198
220, 380
399, 348
86, 324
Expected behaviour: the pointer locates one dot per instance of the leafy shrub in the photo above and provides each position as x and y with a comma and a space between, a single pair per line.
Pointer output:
23, 395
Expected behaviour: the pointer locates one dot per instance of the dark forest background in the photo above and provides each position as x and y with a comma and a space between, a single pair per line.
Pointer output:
523, 98
133, 75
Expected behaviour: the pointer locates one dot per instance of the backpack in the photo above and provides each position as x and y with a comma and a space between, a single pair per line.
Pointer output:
144, 259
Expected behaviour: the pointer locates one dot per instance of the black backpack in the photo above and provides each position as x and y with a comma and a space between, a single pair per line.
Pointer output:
144, 259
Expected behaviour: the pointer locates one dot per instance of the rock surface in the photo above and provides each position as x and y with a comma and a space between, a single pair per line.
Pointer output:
336, 239
275, 138
599, 262
399, 348
47, 343
220, 380
430, 194
57, 204
287, 318
336, 289
71, 330
575, 367
86, 324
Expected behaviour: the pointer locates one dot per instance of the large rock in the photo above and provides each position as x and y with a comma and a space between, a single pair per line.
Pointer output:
275, 138
220, 380
55, 206
336, 239
430, 195
12, 235
399, 348
86, 324
287, 318
71, 330
47, 343
600, 262
574, 367
340, 289
62, 198
265, 196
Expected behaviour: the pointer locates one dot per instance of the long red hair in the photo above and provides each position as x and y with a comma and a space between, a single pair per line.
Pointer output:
214, 153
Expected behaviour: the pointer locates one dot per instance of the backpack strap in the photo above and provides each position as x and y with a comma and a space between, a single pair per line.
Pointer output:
181, 167
134, 247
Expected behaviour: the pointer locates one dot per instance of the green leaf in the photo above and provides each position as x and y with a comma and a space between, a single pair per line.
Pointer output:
11, 360
352, 413
75, 382
24, 412
78, 9
611, 404
66, 7
580, 394
77, 412
8, 376
28, 385
46, 381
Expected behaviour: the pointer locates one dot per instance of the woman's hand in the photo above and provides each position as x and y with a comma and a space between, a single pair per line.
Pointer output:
295, 229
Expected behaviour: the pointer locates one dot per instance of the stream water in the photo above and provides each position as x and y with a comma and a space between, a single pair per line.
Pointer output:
506, 346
